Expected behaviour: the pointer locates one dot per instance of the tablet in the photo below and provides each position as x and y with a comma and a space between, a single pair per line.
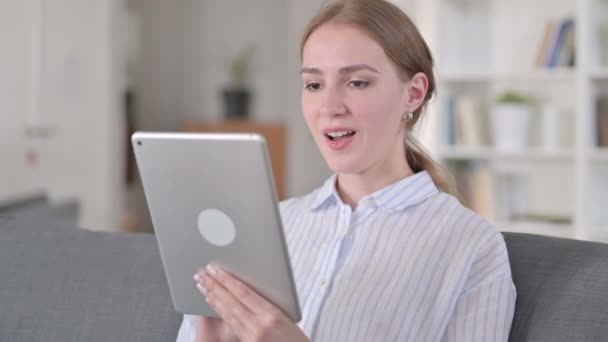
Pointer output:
212, 199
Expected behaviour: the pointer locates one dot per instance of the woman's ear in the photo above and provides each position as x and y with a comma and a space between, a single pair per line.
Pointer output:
417, 89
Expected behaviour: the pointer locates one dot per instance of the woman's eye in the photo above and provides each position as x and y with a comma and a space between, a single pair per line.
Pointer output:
313, 86
359, 84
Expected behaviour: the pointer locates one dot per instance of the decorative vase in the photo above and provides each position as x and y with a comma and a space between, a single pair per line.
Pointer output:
511, 126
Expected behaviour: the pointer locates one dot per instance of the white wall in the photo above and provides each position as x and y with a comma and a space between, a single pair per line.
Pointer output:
185, 45
307, 169
215, 32
79, 100
82, 101
17, 178
158, 73
184, 50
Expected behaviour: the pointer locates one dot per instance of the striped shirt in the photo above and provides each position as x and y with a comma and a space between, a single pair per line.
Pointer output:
409, 263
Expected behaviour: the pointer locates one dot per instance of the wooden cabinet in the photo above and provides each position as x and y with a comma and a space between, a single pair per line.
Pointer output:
275, 134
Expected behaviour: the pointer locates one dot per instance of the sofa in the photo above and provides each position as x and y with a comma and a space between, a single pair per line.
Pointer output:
62, 283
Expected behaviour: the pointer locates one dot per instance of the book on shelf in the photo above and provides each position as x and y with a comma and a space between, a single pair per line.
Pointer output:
601, 104
461, 170
464, 121
557, 47
476, 188
483, 201
451, 122
498, 197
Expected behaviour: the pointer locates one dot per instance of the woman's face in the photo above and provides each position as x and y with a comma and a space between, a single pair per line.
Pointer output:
353, 100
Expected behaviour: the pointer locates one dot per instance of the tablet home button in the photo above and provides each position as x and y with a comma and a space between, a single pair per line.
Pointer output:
216, 227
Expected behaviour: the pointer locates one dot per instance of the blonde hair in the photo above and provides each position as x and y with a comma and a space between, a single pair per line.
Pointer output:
404, 45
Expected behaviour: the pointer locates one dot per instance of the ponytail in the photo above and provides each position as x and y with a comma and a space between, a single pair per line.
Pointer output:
419, 161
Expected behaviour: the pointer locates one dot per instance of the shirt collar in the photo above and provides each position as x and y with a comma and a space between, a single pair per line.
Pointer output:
403, 193
326, 192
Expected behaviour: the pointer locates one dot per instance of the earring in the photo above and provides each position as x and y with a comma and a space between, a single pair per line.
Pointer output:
408, 117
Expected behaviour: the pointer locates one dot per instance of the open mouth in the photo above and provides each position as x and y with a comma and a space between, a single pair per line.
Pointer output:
337, 136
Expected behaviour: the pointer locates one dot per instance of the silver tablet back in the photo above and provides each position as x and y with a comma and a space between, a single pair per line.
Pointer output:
212, 199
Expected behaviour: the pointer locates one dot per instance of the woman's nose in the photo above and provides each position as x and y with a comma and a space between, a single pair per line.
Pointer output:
332, 103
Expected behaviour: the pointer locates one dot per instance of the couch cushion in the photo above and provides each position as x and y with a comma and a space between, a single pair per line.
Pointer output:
562, 289
77, 285
39, 213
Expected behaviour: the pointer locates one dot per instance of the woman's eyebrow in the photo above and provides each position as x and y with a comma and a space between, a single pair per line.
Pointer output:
357, 67
314, 71
344, 70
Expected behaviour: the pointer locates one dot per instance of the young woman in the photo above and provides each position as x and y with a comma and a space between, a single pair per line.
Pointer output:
383, 251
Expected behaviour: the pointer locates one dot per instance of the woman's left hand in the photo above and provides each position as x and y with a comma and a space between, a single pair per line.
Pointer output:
251, 317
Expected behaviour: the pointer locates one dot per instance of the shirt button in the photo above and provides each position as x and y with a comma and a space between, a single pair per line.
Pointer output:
323, 281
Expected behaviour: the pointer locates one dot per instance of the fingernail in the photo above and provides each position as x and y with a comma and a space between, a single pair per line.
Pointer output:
197, 277
211, 269
202, 289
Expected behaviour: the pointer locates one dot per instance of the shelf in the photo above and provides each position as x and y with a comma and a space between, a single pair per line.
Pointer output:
599, 74
538, 228
490, 153
599, 155
548, 75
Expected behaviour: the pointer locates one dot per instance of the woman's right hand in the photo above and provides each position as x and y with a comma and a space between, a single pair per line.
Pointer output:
211, 329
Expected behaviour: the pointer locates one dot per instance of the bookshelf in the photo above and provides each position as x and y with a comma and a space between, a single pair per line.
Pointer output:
556, 183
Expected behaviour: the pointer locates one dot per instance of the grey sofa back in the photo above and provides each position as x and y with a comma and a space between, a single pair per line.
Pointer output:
60, 283
562, 289
63, 284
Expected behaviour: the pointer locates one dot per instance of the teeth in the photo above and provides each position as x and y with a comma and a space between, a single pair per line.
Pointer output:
339, 134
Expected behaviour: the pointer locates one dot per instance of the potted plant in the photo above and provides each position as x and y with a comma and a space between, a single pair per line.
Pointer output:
511, 121
237, 95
